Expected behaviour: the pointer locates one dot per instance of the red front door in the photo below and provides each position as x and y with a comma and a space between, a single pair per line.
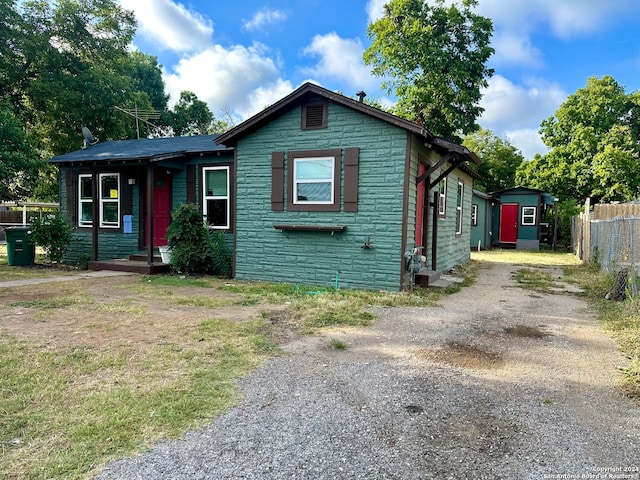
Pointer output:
508, 223
161, 207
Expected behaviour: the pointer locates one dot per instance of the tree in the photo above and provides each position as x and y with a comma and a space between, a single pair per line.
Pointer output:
19, 160
594, 146
434, 56
191, 116
500, 160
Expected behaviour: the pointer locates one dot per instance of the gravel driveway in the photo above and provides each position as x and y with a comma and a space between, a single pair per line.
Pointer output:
499, 382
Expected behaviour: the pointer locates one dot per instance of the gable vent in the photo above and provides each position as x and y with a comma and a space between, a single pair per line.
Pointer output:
314, 116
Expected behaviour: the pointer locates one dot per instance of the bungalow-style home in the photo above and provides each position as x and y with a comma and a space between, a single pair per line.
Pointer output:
482, 231
519, 217
317, 189
119, 195
333, 192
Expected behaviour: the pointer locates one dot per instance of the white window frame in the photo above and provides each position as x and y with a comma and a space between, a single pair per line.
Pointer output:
297, 181
102, 201
108, 200
442, 200
528, 219
459, 207
226, 197
474, 214
82, 201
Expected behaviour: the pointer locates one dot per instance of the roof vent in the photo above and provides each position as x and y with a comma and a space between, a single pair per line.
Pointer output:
314, 115
361, 94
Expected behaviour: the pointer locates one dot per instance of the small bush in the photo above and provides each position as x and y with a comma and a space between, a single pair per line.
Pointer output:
52, 232
222, 256
189, 240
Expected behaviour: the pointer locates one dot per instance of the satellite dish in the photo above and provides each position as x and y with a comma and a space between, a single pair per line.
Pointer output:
87, 138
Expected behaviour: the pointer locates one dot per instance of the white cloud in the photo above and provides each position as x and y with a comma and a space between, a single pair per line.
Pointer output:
515, 48
527, 140
375, 9
511, 106
243, 78
170, 24
341, 60
264, 17
566, 18
517, 110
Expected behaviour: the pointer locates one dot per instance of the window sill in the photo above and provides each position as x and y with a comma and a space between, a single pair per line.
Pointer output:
312, 228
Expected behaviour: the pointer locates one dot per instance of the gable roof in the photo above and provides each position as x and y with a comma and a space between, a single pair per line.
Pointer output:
301, 94
547, 198
143, 150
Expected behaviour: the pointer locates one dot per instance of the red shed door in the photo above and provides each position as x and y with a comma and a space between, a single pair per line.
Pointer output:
508, 222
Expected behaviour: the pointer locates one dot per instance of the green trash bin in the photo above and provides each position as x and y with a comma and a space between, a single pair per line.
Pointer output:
21, 249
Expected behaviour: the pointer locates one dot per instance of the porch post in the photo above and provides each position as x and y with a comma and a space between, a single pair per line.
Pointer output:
434, 232
95, 213
150, 214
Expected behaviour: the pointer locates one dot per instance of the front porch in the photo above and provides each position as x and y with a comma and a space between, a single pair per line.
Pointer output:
134, 264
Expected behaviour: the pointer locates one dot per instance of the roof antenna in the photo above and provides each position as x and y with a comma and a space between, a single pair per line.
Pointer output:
361, 94
87, 138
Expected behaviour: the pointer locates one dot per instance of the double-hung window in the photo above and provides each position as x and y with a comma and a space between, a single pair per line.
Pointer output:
442, 201
108, 198
528, 215
85, 202
459, 200
216, 197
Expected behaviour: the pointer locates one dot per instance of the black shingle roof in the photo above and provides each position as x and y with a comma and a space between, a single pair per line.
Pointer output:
144, 149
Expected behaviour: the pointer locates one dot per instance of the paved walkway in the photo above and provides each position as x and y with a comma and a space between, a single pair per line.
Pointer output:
65, 278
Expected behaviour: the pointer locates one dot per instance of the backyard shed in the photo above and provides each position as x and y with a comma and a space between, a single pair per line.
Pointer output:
519, 217
333, 192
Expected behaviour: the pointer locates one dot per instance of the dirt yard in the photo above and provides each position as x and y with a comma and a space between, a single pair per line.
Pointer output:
497, 383
106, 311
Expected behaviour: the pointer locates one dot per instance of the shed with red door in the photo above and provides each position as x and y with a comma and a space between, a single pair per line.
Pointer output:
521, 217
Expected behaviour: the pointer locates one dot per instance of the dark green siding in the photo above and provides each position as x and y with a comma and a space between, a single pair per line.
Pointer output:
315, 258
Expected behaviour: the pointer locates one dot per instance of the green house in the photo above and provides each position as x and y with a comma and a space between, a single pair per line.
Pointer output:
119, 196
333, 192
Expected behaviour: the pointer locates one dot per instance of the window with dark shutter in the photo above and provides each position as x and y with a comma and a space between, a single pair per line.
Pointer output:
314, 116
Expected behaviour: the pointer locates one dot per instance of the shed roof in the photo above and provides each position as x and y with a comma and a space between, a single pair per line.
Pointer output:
143, 150
301, 94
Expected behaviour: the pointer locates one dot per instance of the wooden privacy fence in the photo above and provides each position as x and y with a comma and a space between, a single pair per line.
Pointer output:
609, 235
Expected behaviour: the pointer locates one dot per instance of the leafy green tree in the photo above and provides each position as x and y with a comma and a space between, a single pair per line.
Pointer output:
500, 160
19, 160
75, 69
191, 116
594, 146
434, 56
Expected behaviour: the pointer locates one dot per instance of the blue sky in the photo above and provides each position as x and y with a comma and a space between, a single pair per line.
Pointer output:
240, 56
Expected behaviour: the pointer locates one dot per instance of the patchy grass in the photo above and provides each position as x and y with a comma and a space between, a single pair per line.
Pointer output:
537, 280
620, 319
66, 411
542, 258
39, 270
100, 380
338, 344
